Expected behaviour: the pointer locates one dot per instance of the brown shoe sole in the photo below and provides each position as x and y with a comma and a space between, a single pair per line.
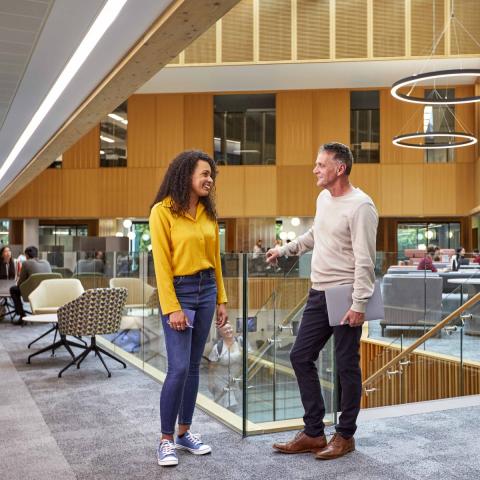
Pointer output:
296, 451
333, 457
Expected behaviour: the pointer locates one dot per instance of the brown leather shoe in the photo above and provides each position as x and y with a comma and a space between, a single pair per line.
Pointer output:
302, 443
337, 447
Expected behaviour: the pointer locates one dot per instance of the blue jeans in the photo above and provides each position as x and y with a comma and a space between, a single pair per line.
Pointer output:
185, 349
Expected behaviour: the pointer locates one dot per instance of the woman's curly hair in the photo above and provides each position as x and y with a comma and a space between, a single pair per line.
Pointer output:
177, 183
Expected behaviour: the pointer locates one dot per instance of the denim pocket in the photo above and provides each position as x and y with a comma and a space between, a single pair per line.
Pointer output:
178, 280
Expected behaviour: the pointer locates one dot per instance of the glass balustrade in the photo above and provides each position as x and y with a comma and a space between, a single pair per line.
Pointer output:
247, 380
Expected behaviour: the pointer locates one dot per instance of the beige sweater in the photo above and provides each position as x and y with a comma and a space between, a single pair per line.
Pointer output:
343, 240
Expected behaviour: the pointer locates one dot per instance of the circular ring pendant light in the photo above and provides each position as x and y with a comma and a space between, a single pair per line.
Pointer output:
438, 77
465, 140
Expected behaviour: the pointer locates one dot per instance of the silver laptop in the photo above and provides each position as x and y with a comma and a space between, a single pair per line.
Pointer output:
339, 301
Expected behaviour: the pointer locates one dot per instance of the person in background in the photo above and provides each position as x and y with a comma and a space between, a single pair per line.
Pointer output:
476, 256
92, 264
7, 264
31, 265
186, 253
426, 263
437, 257
458, 259
225, 366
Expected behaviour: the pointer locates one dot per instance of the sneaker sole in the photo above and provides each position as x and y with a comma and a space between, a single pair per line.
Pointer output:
168, 463
193, 451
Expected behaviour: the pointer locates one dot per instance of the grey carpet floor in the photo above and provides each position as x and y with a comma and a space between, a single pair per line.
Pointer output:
86, 426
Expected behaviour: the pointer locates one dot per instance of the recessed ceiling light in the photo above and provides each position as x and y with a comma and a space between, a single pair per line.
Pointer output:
101, 24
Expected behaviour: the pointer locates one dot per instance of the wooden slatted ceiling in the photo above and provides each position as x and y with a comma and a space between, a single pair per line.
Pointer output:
388, 28
203, 50
428, 21
275, 30
467, 13
237, 33
351, 28
313, 27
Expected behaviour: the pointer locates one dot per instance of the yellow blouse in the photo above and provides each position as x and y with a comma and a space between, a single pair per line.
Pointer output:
183, 245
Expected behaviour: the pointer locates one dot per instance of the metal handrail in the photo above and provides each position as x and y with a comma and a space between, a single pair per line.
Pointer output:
422, 339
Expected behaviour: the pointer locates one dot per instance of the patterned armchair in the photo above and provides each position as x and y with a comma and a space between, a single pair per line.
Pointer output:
95, 312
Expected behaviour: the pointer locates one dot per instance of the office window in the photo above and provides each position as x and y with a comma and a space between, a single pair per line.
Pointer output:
439, 118
4, 232
365, 126
244, 129
113, 138
421, 235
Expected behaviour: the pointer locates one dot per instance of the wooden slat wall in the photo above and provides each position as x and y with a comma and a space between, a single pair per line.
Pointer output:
331, 117
203, 49
160, 126
237, 33
84, 153
351, 29
465, 116
275, 42
388, 28
427, 377
468, 14
313, 27
294, 128
142, 118
426, 31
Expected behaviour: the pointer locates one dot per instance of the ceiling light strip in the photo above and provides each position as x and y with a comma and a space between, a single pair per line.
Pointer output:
101, 24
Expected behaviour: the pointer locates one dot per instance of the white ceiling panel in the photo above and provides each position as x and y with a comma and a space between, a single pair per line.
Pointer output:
67, 23
21, 22
26, 8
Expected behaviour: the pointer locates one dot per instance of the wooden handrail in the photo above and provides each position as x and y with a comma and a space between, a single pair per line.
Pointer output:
422, 339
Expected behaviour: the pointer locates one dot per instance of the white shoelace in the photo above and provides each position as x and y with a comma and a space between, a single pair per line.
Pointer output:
167, 447
195, 438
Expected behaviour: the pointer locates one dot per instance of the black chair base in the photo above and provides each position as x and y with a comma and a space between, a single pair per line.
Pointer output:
98, 351
54, 328
63, 342
8, 310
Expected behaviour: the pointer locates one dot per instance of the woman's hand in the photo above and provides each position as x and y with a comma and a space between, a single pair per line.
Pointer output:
178, 320
222, 315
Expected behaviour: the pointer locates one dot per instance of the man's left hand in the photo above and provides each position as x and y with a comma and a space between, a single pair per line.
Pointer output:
354, 319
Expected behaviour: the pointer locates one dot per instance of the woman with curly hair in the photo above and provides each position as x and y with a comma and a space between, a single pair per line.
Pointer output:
186, 253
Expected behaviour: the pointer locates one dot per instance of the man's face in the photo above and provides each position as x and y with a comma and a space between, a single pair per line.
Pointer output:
327, 169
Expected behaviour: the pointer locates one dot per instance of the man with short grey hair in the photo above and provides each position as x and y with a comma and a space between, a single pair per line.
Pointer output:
343, 240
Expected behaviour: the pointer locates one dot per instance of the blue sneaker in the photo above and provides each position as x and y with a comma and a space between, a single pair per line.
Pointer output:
166, 454
193, 444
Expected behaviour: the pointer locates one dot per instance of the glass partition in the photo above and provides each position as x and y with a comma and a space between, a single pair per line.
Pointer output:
247, 380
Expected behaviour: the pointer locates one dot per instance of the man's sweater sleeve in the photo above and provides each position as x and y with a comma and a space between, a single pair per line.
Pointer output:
302, 244
364, 235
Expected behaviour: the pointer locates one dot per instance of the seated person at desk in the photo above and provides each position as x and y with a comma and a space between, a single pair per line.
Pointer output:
426, 263
7, 264
476, 256
29, 267
91, 264
459, 259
